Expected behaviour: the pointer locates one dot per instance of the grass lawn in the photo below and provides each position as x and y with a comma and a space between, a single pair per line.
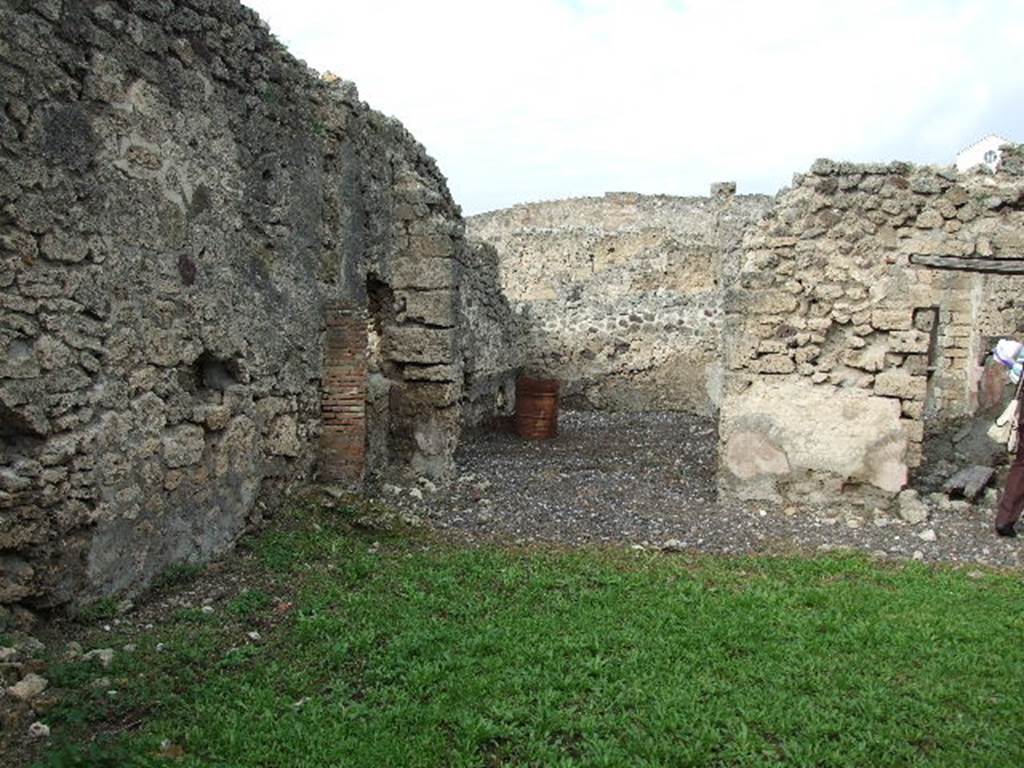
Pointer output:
422, 653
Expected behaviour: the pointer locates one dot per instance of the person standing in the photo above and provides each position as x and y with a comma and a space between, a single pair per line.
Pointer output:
1011, 503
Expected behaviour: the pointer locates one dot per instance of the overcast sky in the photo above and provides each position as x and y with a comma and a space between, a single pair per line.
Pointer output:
544, 99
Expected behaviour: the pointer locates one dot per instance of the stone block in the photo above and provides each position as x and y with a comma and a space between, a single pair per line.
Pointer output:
900, 383
431, 246
768, 302
913, 429
1009, 240
924, 319
773, 364
956, 195
428, 307
214, 417
425, 274
929, 219
431, 373
913, 409
419, 344
807, 354
909, 341
283, 437
914, 455
916, 365
183, 446
771, 347
871, 358
892, 319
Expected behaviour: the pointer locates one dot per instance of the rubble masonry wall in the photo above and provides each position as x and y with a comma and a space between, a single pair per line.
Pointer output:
182, 205
846, 345
619, 297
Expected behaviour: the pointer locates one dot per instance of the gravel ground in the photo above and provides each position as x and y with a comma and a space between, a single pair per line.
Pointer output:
648, 480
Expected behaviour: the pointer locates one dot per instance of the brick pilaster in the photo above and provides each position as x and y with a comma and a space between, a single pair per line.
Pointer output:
343, 395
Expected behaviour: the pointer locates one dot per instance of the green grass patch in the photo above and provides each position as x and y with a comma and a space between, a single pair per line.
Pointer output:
414, 653
104, 608
249, 602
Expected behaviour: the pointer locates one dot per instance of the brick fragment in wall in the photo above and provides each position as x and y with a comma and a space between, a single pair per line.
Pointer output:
343, 397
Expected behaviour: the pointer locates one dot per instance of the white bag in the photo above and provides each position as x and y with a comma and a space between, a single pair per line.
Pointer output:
1004, 430
1006, 427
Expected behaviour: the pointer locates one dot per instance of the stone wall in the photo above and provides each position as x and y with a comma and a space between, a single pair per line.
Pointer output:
180, 204
857, 324
618, 297
491, 338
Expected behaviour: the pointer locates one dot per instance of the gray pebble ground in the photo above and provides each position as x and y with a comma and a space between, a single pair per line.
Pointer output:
648, 479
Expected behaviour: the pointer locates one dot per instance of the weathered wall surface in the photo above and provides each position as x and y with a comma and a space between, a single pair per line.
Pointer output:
619, 296
179, 202
490, 335
845, 344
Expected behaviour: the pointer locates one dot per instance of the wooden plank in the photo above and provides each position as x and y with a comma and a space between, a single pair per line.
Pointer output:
1014, 266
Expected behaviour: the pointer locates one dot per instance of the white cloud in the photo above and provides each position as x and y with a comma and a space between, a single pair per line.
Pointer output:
540, 99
